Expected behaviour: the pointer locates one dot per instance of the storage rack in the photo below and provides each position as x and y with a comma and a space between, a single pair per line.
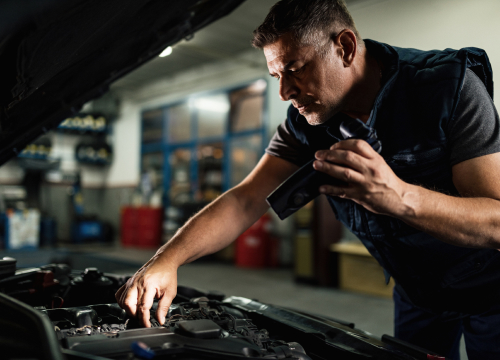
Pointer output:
159, 145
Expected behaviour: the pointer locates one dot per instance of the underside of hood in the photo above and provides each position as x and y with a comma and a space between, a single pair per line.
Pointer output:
55, 55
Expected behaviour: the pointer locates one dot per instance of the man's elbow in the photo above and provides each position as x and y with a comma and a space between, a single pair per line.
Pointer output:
247, 199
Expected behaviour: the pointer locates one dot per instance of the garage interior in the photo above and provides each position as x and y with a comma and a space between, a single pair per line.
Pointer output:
115, 181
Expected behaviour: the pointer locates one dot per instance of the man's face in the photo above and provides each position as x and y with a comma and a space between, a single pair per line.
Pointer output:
315, 84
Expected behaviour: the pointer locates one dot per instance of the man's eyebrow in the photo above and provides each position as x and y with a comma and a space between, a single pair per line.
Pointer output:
286, 67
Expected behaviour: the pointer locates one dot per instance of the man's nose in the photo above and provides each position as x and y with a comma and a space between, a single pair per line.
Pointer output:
288, 89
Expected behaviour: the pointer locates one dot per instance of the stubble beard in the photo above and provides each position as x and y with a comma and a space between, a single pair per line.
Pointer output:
314, 119
320, 117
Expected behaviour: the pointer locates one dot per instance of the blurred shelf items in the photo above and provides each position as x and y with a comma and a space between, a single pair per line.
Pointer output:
94, 153
316, 230
22, 227
38, 156
84, 124
195, 149
27, 209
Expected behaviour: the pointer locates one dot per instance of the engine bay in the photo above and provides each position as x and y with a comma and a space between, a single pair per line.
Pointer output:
55, 312
195, 328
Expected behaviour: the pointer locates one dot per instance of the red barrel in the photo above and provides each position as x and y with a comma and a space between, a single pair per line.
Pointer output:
128, 226
141, 227
149, 227
254, 246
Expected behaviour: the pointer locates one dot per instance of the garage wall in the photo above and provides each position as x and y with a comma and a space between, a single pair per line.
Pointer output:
126, 138
431, 24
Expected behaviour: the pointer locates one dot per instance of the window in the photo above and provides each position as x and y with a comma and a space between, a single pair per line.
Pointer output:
152, 125
179, 123
245, 153
179, 189
212, 141
212, 113
246, 106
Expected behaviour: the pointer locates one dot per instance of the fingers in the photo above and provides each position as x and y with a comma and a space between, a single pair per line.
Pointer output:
144, 305
128, 299
342, 157
348, 160
119, 293
345, 174
164, 305
358, 146
340, 191
138, 294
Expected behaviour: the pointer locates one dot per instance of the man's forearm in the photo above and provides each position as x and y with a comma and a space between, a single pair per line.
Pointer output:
461, 221
203, 235
210, 230
471, 221
220, 222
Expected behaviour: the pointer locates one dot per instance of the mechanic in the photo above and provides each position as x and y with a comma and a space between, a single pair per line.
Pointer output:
427, 208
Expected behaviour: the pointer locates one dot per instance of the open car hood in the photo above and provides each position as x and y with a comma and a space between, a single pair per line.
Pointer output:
55, 55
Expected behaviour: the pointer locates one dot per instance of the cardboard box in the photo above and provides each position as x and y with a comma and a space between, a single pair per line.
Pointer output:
359, 271
22, 229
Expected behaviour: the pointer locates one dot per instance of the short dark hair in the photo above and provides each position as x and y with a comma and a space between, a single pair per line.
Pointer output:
310, 22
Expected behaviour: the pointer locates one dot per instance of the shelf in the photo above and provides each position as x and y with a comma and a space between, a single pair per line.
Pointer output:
81, 131
350, 248
33, 163
94, 162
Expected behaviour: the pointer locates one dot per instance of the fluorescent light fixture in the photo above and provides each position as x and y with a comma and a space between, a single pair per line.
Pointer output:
166, 52
211, 104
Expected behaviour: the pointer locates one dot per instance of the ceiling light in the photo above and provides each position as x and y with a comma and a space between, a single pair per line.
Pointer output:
166, 52
212, 104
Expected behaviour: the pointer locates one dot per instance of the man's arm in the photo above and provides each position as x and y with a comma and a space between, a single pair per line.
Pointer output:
472, 220
212, 229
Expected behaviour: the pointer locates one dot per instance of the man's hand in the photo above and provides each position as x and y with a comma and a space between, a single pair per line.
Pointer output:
211, 230
154, 280
371, 182
470, 220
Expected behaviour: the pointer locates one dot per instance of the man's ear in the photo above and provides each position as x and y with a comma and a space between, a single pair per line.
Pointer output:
347, 44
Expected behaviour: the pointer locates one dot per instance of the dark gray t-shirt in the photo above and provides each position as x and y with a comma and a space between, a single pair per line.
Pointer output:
474, 131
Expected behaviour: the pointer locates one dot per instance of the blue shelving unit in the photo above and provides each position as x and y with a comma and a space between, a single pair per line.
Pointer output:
162, 144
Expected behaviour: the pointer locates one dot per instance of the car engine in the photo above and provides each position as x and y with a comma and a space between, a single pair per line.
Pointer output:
53, 312
193, 328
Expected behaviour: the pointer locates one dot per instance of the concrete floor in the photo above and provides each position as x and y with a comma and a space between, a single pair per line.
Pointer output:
273, 286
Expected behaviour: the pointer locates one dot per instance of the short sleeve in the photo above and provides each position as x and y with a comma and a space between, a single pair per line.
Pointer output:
286, 146
475, 128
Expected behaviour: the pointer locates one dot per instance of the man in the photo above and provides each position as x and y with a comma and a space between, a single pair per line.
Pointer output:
427, 208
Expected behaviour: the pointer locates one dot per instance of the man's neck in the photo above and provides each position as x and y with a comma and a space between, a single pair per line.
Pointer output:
365, 88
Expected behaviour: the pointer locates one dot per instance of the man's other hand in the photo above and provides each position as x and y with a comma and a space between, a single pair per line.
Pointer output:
370, 181
154, 280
